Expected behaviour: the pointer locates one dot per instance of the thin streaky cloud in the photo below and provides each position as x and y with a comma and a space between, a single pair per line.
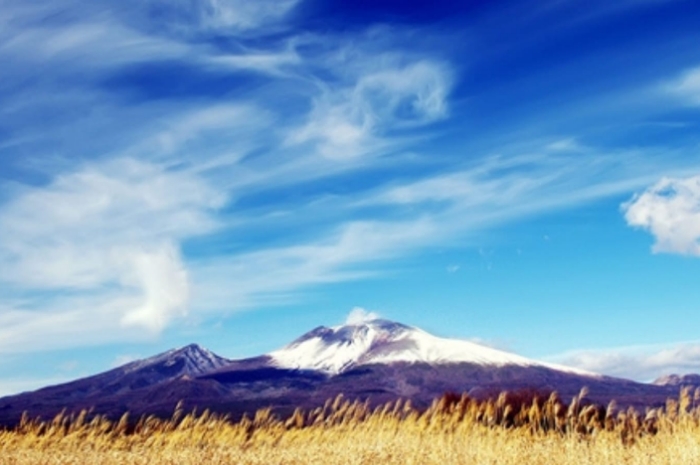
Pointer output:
687, 87
642, 363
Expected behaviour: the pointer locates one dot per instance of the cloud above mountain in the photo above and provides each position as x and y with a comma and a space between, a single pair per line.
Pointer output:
641, 363
359, 315
109, 233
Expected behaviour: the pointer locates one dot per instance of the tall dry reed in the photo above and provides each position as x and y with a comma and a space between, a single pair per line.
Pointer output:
512, 429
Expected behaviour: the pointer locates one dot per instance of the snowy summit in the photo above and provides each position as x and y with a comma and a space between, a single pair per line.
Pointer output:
336, 349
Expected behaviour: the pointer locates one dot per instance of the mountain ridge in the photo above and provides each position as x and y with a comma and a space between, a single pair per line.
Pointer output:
375, 361
691, 379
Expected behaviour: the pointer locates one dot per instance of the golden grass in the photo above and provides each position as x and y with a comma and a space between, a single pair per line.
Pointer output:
455, 430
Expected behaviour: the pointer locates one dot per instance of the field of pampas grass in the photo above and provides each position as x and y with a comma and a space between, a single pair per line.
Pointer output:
455, 430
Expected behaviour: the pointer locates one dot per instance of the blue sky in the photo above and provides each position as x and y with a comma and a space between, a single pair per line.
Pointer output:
235, 173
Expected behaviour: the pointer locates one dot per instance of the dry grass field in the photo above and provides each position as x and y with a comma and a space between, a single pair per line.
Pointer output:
455, 430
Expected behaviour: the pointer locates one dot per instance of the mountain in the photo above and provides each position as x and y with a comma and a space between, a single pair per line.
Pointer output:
191, 360
116, 388
187, 362
377, 361
338, 349
678, 380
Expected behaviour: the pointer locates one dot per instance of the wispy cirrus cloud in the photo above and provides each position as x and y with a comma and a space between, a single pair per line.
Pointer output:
102, 40
351, 251
686, 87
270, 62
227, 16
522, 180
347, 122
93, 42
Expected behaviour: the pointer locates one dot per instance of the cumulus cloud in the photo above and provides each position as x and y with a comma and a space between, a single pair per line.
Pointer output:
163, 279
670, 211
348, 122
359, 315
109, 232
638, 363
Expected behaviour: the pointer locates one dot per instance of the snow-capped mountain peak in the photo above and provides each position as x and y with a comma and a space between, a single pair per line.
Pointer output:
195, 359
339, 348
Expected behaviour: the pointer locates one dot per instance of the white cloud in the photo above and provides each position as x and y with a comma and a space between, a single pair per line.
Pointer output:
103, 242
670, 211
233, 126
359, 315
409, 95
64, 321
349, 122
642, 363
687, 86
565, 145
163, 279
266, 62
228, 15
94, 40
92, 45
506, 187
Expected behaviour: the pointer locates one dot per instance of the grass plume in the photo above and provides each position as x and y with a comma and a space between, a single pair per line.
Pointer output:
514, 428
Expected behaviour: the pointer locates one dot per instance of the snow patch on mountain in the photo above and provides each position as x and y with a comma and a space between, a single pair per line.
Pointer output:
337, 349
